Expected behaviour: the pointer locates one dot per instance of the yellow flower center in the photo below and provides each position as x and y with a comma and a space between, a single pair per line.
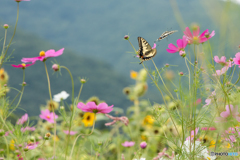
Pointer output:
133, 74
42, 53
23, 64
48, 117
208, 158
195, 38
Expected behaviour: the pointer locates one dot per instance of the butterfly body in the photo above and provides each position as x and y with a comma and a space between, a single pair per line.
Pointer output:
145, 51
165, 34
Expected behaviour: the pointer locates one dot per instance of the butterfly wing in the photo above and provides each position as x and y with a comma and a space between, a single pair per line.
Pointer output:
145, 51
165, 34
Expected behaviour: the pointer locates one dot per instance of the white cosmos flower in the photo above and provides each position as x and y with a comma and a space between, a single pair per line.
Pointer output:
60, 96
201, 151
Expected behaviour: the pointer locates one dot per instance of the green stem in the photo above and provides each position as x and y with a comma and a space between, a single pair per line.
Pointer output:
82, 135
4, 42
15, 28
7, 146
50, 94
20, 98
70, 125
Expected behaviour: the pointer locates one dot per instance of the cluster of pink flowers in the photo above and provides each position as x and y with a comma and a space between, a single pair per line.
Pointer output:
128, 144
23, 119
189, 38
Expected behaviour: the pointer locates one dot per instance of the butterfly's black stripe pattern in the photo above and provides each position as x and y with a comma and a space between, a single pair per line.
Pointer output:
165, 34
145, 51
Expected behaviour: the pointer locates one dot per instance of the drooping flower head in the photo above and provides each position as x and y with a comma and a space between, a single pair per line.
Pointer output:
93, 108
181, 44
23, 119
43, 56
128, 144
195, 38
23, 65
60, 96
48, 116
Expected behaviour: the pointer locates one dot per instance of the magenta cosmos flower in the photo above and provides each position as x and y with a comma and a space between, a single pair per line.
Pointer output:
48, 116
192, 134
181, 44
32, 145
44, 56
93, 108
23, 119
128, 144
236, 60
71, 132
23, 65
195, 38
227, 113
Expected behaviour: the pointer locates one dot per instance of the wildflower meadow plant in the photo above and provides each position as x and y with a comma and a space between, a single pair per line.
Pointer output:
196, 115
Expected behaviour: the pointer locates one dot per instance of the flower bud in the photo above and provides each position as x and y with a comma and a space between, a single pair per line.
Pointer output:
17, 152
1, 151
83, 81
26, 149
24, 83
175, 90
207, 34
100, 143
182, 53
143, 145
62, 108
181, 73
5, 26
2, 132
55, 67
167, 65
32, 139
126, 37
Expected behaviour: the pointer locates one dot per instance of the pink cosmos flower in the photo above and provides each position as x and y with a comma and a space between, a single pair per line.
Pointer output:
236, 60
227, 113
210, 128
8, 132
48, 116
181, 44
93, 108
44, 56
207, 101
192, 134
222, 61
23, 119
71, 132
154, 46
32, 145
163, 154
128, 144
220, 72
195, 38
28, 129
115, 119
23, 65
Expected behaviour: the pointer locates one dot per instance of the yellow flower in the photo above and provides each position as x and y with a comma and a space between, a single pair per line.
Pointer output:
3, 76
11, 145
212, 144
88, 119
143, 137
148, 120
228, 145
55, 138
52, 105
133, 74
